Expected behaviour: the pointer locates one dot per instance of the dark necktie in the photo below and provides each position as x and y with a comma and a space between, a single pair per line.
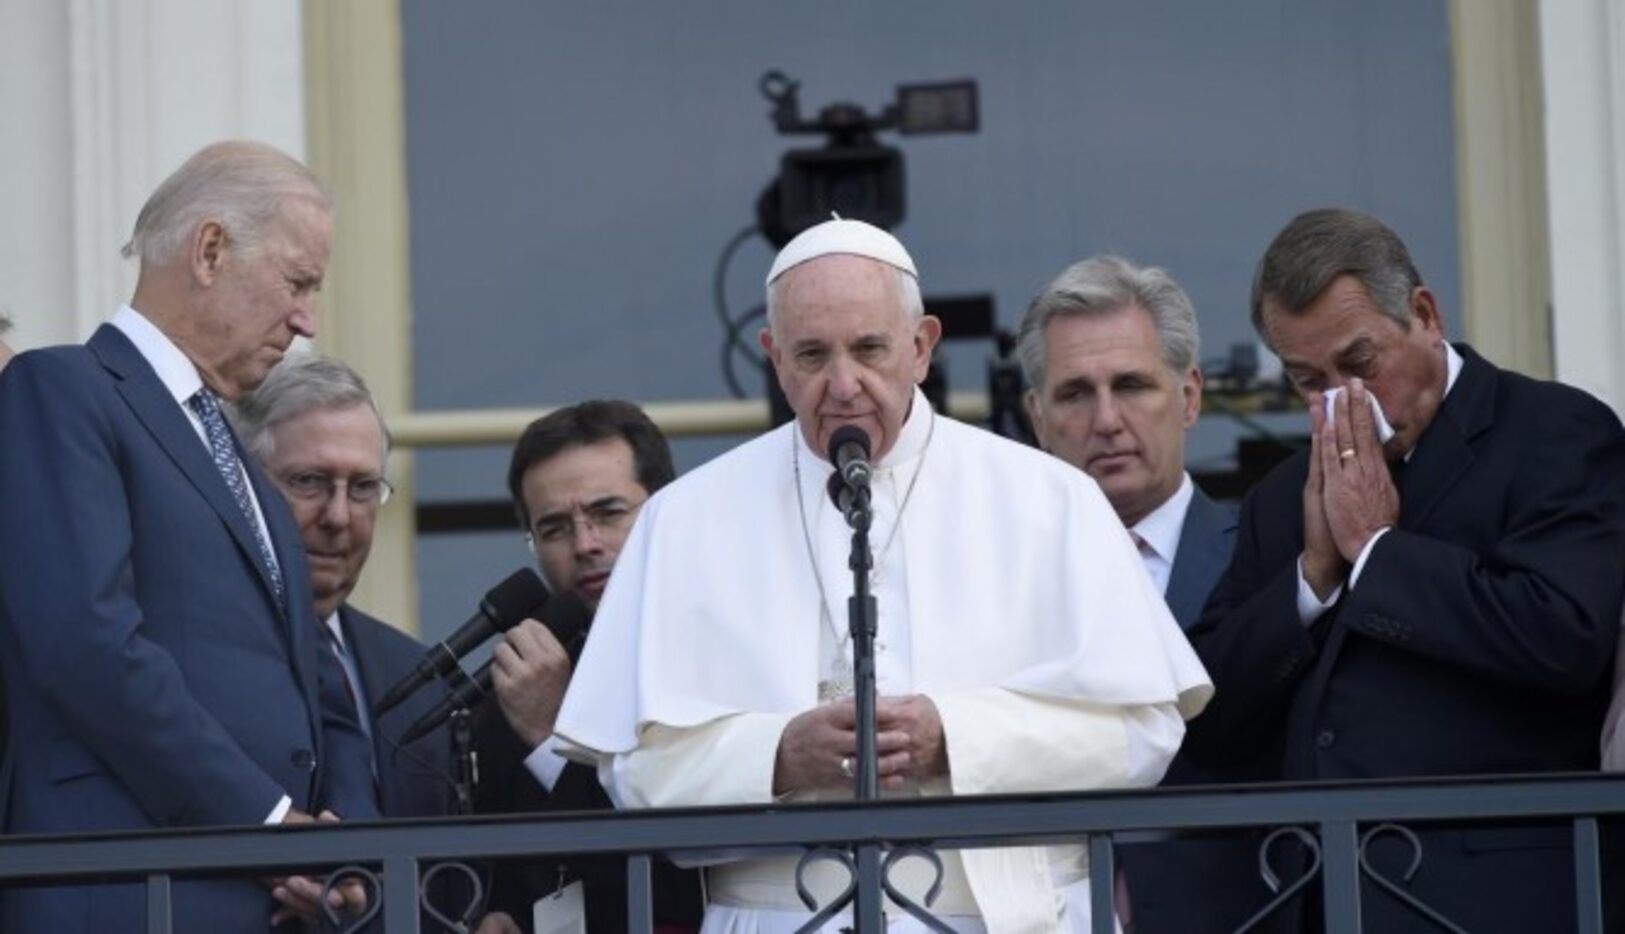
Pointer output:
337, 648
224, 448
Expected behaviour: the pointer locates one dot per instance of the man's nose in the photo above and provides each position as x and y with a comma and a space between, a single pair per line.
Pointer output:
1108, 417
336, 509
843, 379
303, 319
586, 537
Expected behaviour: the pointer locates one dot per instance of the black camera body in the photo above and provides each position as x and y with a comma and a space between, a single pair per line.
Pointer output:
852, 174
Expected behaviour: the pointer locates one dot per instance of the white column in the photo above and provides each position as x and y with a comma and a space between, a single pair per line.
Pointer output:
358, 145
99, 100
1501, 182
1583, 66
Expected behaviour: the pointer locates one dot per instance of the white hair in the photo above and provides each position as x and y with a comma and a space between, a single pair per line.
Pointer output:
240, 185
301, 384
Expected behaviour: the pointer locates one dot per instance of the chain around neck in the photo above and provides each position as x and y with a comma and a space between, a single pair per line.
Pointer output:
841, 636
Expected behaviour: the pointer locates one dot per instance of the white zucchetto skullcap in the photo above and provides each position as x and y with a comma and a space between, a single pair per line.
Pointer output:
854, 238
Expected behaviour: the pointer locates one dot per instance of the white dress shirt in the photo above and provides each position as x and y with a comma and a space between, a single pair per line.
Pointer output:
1159, 532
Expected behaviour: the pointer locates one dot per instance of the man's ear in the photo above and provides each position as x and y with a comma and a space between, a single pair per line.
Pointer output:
1035, 416
208, 253
1425, 311
1192, 389
927, 332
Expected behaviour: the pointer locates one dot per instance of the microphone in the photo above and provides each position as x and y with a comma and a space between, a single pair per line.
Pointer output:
849, 452
504, 605
567, 617
843, 495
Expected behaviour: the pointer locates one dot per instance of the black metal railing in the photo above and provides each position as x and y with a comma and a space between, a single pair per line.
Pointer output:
1333, 822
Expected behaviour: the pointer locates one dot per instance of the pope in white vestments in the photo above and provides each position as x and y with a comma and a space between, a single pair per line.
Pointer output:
1021, 646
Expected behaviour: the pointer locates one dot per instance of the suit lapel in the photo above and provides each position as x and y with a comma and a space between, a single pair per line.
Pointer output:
370, 671
158, 412
1204, 550
1445, 451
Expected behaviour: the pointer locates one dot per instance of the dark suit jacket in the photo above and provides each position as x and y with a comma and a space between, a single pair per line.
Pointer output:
507, 787
1197, 885
1477, 640
417, 780
153, 678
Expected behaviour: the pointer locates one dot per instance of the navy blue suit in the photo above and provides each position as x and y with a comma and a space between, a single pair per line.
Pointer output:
416, 782
1197, 885
153, 679
1478, 639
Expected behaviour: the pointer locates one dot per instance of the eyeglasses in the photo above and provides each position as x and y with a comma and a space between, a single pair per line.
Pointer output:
315, 487
603, 516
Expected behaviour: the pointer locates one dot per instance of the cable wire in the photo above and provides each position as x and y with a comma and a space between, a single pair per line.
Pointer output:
732, 344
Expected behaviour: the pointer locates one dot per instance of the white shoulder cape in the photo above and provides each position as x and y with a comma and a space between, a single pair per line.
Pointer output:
1019, 575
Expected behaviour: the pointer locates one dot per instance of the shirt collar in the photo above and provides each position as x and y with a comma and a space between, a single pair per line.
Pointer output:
916, 429
1161, 528
1452, 369
175, 370
334, 627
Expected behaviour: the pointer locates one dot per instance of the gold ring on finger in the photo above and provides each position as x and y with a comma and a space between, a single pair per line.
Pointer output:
1345, 454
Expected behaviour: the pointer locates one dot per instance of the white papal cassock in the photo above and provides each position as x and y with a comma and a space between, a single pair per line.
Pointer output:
1010, 594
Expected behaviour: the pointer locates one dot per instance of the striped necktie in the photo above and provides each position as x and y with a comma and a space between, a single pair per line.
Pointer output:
224, 448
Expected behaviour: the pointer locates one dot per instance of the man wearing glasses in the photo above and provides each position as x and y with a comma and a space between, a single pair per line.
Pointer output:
312, 424
578, 478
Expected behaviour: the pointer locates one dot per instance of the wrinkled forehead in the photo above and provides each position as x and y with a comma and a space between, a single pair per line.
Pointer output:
350, 437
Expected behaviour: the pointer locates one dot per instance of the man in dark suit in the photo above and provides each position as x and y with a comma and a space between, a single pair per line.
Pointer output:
1110, 350
578, 477
315, 429
1445, 602
162, 663
6, 354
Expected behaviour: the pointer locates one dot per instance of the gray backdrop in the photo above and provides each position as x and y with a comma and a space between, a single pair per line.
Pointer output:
575, 170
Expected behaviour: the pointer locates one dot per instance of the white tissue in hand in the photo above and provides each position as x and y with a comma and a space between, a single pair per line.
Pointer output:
1384, 430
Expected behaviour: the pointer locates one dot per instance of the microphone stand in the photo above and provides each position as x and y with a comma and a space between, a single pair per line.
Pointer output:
465, 761
862, 615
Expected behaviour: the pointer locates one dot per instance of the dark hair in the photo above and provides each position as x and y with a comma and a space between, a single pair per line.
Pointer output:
587, 423
1317, 247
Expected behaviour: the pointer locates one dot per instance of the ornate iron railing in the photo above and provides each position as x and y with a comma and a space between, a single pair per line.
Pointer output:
1333, 822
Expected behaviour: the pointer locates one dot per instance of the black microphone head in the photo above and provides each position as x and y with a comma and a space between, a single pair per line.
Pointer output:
839, 493
514, 599
843, 436
567, 617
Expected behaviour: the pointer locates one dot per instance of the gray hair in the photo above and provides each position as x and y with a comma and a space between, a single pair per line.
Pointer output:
908, 289
241, 185
5, 322
301, 384
1103, 285
1317, 247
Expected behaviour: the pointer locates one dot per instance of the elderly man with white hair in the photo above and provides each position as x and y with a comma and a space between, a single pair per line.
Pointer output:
1021, 646
161, 658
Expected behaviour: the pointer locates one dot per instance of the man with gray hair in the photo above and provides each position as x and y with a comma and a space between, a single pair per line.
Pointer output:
1110, 353
157, 640
315, 429
1442, 598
